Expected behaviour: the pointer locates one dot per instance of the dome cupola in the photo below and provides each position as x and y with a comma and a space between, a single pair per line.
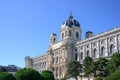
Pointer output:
70, 22
70, 29
89, 34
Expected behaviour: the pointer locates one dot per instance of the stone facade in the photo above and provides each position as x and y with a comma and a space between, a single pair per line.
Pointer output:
38, 62
101, 45
71, 47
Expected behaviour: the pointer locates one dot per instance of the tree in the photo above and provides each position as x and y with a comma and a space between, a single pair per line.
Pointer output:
114, 63
116, 58
94, 68
27, 74
74, 68
6, 76
87, 63
98, 78
114, 76
111, 67
63, 79
102, 67
3, 70
47, 75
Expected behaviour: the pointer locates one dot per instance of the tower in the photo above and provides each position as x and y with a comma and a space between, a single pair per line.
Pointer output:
53, 38
70, 29
28, 62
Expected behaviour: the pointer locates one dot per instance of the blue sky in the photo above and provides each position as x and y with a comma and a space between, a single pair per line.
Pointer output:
26, 25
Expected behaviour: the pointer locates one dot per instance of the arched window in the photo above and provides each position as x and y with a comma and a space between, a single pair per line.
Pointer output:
95, 53
53, 69
76, 56
88, 53
75, 49
102, 51
62, 35
65, 33
81, 55
59, 70
77, 35
54, 40
69, 33
111, 49
111, 39
57, 59
53, 60
56, 71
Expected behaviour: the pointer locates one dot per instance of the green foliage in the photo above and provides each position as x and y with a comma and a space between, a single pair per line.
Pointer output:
94, 68
114, 63
74, 68
47, 71
3, 70
98, 78
111, 67
27, 74
116, 57
114, 76
6, 76
87, 63
47, 75
102, 63
102, 67
63, 79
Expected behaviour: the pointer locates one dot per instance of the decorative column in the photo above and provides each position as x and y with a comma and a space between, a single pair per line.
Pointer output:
107, 49
78, 52
99, 50
91, 50
58, 72
64, 70
55, 72
84, 53
116, 43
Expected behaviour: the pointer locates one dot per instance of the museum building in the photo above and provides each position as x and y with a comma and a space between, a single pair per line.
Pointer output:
72, 47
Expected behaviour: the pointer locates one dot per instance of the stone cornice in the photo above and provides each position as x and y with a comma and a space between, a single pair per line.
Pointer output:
99, 36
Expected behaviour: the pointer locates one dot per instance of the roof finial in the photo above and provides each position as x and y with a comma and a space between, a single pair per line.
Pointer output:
71, 16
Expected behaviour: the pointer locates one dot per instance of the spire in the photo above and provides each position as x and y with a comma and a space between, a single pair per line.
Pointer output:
71, 16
